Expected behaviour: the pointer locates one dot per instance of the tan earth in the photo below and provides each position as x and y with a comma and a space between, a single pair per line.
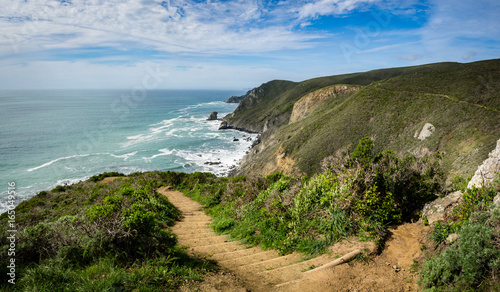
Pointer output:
112, 178
254, 269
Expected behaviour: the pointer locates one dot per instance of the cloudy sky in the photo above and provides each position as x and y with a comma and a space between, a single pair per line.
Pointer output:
220, 44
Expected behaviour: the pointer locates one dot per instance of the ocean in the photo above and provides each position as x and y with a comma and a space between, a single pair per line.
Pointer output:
50, 138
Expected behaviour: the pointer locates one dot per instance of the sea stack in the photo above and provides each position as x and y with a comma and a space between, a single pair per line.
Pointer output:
213, 116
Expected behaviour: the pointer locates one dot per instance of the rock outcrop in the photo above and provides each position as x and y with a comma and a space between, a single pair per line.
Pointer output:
426, 132
236, 99
226, 126
487, 171
440, 209
213, 116
307, 104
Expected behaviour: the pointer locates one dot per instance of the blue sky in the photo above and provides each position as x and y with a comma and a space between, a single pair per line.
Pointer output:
220, 44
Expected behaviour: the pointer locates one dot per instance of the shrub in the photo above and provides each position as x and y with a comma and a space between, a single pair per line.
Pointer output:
363, 153
472, 198
359, 193
388, 187
471, 261
139, 220
441, 232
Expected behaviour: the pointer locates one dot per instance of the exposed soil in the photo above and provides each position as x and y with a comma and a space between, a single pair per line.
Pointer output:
112, 178
254, 269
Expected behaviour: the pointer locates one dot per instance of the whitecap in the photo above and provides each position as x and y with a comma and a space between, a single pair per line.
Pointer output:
205, 104
70, 181
124, 156
163, 152
56, 160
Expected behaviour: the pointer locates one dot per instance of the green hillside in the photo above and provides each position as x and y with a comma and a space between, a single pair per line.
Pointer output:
460, 100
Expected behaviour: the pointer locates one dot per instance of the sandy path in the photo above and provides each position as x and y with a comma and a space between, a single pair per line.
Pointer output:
254, 269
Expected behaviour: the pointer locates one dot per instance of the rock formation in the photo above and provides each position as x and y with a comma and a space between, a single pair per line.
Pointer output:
488, 171
307, 104
213, 116
440, 209
236, 99
426, 132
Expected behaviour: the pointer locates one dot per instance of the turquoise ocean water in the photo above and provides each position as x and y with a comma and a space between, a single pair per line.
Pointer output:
48, 138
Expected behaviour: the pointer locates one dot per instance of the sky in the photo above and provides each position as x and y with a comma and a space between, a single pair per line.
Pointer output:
236, 45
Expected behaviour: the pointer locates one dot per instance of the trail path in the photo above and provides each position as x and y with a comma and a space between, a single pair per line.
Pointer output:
265, 270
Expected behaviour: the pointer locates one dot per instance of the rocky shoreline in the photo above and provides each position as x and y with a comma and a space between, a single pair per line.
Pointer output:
233, 169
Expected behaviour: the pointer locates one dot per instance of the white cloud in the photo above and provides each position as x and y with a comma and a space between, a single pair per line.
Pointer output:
463, 19
178, 26
330, 7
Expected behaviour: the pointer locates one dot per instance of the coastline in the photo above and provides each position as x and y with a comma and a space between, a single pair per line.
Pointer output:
174, 136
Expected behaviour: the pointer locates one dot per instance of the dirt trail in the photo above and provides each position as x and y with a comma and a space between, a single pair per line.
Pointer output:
254, 269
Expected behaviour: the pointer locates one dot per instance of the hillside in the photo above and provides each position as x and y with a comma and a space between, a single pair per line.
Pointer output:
370, 167
461, 101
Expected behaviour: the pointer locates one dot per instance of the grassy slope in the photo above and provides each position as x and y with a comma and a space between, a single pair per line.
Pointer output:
277, 97
460, 100
60, 242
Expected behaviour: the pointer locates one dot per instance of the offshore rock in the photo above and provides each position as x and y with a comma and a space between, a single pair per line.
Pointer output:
213, 116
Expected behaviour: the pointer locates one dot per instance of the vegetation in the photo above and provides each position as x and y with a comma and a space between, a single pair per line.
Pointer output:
100, 236
359, 194
115, 236
473, 261
365, 172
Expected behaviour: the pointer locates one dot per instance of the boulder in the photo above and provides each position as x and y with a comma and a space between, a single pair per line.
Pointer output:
213, 116
426, 132
452, 238
487, 171
441, 208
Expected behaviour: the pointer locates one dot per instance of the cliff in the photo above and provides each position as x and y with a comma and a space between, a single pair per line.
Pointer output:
302, 123
307, 104
235, 99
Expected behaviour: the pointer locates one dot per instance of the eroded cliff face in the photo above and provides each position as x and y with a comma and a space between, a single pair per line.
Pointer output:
269, 155
307, 104
266, 158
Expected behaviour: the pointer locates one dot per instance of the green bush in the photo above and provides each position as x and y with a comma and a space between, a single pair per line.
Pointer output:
472, 198
441, 232
386, 187
137, 219
473, 262
101, 236
360, 193
363, 153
